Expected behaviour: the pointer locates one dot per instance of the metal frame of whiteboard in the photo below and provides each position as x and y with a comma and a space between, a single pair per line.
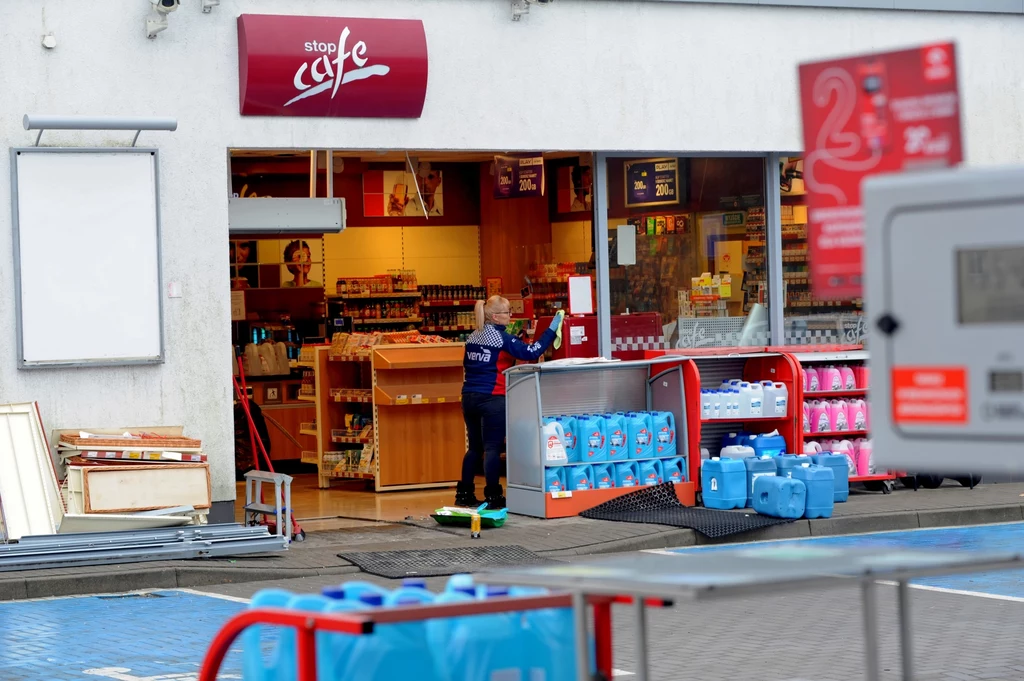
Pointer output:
15, 227
538, 390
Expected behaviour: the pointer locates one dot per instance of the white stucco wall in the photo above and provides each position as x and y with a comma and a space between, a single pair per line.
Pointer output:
578, 74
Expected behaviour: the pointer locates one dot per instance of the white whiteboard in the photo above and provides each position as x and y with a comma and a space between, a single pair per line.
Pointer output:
87, 256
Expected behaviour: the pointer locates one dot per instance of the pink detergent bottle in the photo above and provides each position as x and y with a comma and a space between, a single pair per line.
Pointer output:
821, 417
845, 447
840, 422
858, 414
865, 461
807, 417
812, 448
849, 380
830, 379
811, 380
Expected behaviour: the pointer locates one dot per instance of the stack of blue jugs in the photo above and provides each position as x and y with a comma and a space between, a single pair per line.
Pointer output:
802, 489
615, 450
531, 644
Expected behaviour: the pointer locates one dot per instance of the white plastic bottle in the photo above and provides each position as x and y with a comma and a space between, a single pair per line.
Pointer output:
705, 403
717, 400
756, 398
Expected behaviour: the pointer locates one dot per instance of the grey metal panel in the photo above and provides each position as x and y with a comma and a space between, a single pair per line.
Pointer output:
17, 253
773, 249
526, 501
591, 392
667, 394
522, 433
998, 6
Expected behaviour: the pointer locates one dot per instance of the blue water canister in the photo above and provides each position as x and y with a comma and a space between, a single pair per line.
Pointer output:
840, 466
640, 427
627, 474
787, 462
731, 439
723, 483
594, 438
579, 478
779, 497
664, 433
651, 472
393, 651
618, 437
756, 468
604, 475
554, 479
498, 646
674, 469
767, 445
572, 437
820, 482
254, 667
554, 628
355, 590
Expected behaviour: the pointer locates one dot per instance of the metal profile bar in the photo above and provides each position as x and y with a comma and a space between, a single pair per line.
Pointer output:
416, 181
44, 123
599, 202
159, 534
141, 555
773, 250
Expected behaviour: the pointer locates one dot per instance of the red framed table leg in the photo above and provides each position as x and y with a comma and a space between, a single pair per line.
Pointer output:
603, 637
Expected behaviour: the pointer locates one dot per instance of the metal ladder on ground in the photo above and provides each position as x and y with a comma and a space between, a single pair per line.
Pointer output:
281, 509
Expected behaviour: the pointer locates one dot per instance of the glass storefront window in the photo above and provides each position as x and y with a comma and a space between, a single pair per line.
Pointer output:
687, 241
808, 320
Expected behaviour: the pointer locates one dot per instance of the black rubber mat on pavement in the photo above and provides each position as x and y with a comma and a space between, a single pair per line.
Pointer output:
658, 505
441, 562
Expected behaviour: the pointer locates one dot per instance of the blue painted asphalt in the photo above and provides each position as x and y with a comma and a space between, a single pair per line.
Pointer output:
159, 636
996, 538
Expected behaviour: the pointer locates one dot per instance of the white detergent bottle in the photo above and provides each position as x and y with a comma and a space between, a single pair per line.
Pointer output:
717, 398
757, 401
705, 404
554, 442
776, 398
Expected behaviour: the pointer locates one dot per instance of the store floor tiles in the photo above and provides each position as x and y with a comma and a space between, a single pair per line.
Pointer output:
158, 636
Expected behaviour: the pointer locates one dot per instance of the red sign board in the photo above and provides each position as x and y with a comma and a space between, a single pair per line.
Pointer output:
331, 67
935, 395
879, 113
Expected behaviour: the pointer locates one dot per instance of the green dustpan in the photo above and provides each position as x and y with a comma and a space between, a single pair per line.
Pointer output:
460, 516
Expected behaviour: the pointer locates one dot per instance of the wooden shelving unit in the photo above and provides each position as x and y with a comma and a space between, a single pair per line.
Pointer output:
420, 440
412, 395
332, 374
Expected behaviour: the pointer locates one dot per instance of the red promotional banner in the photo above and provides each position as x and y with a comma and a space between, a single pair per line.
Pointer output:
331, 67
879, 113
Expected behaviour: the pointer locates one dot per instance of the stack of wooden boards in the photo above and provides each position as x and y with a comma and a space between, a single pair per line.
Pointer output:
156, 471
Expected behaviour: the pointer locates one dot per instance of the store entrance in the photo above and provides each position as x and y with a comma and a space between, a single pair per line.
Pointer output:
350, 342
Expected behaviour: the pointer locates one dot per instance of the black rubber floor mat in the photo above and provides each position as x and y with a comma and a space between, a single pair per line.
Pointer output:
658, 505
441, 562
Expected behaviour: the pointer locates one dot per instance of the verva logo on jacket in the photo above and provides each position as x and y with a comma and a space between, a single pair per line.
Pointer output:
331, 67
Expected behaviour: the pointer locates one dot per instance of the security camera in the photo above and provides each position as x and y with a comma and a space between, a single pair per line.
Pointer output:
155, 24
208, 5
165, 6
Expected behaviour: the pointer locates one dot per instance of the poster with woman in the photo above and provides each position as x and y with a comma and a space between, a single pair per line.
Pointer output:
245, 273
575, 189
302, 263
791, 176
392, 193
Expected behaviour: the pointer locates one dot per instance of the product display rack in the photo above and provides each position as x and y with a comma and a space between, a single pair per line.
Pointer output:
703, 369
849, 355
417, 415
536, 391
335, 440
